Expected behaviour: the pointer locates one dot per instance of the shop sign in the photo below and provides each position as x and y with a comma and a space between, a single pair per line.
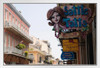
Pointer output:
67, 55
70, 45
69, 35
74, 16
77, 16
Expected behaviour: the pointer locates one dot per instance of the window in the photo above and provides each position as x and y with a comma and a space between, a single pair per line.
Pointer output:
32, 57
12, 42
36, 43
39, 47
19, 24
13, 19
9, 17
23, 28
31, 61
26, 30
40, 59
8, 41
6, 14
15, 42
16, 22
5, 41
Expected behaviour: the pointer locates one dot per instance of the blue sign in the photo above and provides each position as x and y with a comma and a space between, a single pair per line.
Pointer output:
77, 21
79, 10
67, 55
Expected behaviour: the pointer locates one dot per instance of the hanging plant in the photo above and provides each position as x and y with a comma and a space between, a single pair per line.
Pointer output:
26, 53
20, 46
51, 62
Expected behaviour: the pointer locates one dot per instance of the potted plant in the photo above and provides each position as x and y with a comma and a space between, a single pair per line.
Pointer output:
20, 46
51, 62
26, 53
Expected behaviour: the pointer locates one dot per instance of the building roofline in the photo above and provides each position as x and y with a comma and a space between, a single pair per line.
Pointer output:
16, 12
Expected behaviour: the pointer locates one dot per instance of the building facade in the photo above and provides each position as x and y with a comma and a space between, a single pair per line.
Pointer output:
35, 50
16, 31
40, 51
38, 56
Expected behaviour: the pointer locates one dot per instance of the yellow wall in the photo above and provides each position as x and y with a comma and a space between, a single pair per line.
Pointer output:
36, 56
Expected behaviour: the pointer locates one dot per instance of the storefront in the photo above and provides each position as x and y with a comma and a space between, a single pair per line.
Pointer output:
75, 27
86, 36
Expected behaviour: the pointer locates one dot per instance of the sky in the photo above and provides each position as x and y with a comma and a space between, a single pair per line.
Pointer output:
36, 16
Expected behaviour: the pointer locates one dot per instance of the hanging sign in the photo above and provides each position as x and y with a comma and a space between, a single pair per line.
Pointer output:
70, 45
69, 35
71, 17
77, 16
67, 55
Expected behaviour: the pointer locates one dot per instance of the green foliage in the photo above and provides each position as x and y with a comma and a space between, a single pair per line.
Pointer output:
26, 53
31, 49
46, 61
51, 62
20, 46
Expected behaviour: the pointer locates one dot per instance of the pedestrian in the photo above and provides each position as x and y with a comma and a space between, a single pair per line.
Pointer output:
56, 16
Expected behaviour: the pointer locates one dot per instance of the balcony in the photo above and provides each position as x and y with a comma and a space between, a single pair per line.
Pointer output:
30, 57
13, 50
17, 52
16, 30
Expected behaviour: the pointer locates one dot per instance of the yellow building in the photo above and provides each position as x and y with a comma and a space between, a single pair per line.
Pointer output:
40, 50
38, 56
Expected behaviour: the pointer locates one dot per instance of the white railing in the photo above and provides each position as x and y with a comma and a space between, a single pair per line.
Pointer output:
17, 28
12, 50
17, 51
30, 57
4, 49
